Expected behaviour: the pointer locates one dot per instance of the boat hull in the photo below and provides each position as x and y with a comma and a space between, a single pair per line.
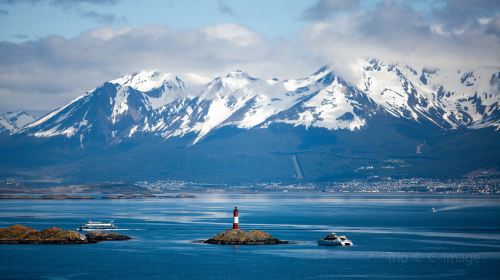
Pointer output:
96, 229
333, 243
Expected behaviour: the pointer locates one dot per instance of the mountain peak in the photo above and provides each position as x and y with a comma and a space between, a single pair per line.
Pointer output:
235, 80
148, 80
240, 75
322, 70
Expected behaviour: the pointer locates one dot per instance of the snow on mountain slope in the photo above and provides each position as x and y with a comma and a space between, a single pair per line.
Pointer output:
241, 100
225, 95
449, 100
329, 102
154, 83
116, 108
151, 102
12, 122
470, 97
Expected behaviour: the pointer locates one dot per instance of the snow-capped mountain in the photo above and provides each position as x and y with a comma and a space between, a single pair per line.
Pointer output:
12, 122
167, 105
449, 100
384, 120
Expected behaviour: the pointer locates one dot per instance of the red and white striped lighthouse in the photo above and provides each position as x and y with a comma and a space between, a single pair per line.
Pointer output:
235, 219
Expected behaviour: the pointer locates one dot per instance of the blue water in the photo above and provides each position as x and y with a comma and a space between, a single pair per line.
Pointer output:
394, 236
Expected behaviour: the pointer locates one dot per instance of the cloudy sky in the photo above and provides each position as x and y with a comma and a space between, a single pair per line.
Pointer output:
54, 50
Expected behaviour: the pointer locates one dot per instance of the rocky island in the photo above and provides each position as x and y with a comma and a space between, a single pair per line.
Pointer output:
19, 234
98, 236
241, 237
236, 236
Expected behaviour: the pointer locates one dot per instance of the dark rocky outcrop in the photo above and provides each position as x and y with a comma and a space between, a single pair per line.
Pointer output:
240, 237
97, 236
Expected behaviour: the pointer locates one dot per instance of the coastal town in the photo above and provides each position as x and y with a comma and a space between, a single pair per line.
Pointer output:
466, 185
478, 184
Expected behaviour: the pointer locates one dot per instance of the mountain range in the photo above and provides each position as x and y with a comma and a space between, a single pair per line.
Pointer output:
385, 120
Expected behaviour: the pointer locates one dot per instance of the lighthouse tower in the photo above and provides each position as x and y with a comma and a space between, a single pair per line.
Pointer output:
235, 219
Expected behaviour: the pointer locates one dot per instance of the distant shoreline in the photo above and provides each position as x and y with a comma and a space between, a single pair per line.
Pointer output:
91, 197
184, 196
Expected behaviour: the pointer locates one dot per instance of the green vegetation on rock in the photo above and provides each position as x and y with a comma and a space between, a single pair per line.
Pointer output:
19, 234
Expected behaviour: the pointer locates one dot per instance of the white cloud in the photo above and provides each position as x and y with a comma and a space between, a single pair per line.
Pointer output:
233, 34
44, 74
107, 33
395, 32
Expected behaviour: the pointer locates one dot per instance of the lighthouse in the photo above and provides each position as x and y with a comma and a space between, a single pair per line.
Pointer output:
235, 219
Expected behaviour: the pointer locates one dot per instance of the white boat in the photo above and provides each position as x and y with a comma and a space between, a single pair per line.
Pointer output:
332, 239
94, 225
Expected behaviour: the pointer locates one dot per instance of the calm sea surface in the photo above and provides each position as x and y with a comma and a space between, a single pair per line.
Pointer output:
394, 236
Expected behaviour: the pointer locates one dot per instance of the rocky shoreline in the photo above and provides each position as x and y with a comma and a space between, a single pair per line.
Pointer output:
19, 234
98, 236
241, 237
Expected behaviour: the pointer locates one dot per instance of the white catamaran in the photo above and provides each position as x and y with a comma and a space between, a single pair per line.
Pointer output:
94, 225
